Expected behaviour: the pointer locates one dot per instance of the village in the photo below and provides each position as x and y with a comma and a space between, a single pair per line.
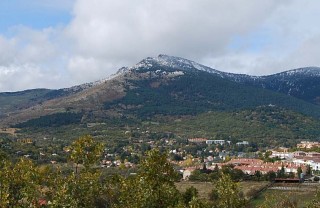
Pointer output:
296, 164
301, 162
199, 162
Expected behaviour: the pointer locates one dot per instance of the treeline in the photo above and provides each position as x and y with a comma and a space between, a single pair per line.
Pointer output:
207, 175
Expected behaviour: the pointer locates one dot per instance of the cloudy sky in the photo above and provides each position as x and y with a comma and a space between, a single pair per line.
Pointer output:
60, 43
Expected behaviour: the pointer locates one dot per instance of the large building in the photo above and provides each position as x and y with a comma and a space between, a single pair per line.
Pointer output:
222, 142
242, 143
198, 140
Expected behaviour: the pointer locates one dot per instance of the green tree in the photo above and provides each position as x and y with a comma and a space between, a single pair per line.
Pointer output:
62, 190
189, 194
153, 186
198, 203
85, 151
270, 176
4, 183
299, 171
281, 173
258, 175
308, 171
83, 188
227, 194
19, 184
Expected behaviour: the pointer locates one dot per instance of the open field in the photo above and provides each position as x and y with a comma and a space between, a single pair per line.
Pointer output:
299, 194
11, 131
298, 197
204, 188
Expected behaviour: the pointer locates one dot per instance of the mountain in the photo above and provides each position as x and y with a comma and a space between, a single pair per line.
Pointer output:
163, 85
303, 83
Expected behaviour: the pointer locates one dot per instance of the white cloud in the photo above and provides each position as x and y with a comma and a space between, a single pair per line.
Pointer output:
84, 69
6, 50
23, 77
123, 31
32, 59
242, 36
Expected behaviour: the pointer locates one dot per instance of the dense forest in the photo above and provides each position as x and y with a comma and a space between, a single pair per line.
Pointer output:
54, 120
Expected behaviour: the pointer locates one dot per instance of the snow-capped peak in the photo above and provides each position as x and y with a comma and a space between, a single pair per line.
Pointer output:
173, 63
306, 71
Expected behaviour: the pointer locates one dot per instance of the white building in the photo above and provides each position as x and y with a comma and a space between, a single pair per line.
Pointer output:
282, 155
313, 162
209, 142
242, 143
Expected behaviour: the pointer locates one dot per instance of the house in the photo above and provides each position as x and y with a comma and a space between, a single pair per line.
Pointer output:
242, 143
299, 153
251, 166
25, 141
308, 145
223, 155
312, 161
210, 142
197, 140
245, 161
281, 155
210, 158
313, 154
42, 202
315, 165
251, 170
187, 172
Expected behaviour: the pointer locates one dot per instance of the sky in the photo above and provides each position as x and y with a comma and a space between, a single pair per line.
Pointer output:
62, 43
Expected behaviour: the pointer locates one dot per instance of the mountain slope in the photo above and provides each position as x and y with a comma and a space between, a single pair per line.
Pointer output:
13, 101
163, 85
192, 91
265, 126
303, 83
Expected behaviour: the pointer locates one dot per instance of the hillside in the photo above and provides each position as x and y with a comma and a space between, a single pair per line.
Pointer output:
159, 86
11, 101
188, 92
264, 126
303, 83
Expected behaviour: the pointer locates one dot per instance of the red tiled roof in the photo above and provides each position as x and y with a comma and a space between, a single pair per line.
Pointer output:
197, 140
42, 202
245, 161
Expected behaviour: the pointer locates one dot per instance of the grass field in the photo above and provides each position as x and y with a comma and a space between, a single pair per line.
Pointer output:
299, 198
301, 195
204, 188
11, 131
